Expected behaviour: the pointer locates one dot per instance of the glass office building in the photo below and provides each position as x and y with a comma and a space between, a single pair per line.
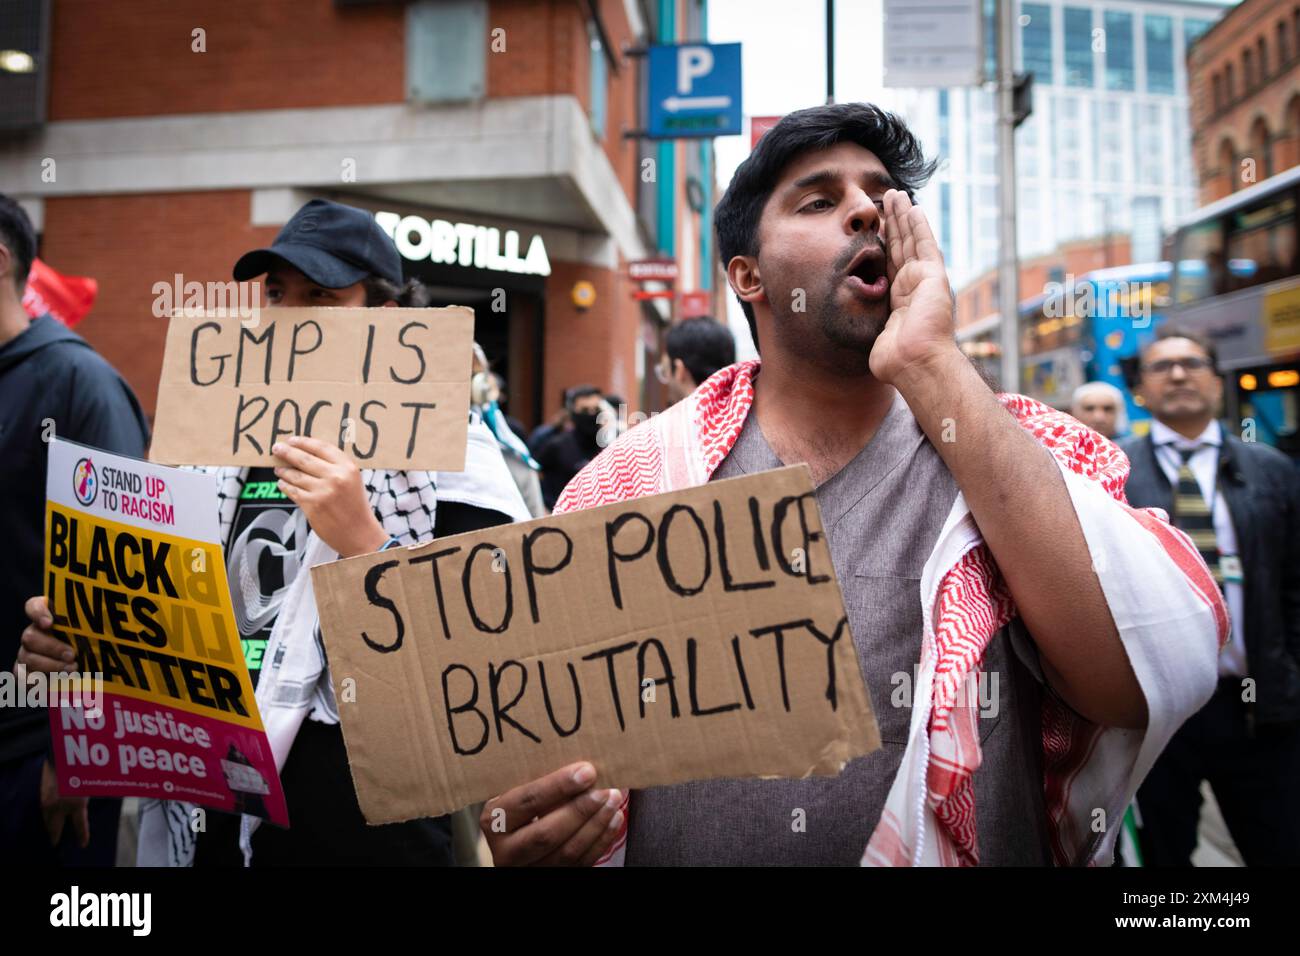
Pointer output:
1107, 149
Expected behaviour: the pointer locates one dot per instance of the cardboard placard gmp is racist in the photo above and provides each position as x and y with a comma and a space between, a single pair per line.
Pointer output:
388, 386
677, 637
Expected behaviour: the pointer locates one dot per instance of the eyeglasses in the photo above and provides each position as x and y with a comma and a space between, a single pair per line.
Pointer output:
1165, 366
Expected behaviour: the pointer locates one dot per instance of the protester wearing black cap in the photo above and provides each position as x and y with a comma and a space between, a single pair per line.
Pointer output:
336, 248
315, 507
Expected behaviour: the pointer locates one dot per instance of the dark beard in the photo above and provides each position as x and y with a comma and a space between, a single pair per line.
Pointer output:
847, 339
849, 332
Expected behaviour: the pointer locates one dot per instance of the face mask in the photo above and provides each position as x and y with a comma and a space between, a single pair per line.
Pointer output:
584, 423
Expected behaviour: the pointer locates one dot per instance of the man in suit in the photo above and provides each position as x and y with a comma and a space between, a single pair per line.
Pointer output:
1239, 502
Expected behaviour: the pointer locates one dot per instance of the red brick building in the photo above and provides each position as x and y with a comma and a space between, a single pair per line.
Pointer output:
178, 134
1244, 77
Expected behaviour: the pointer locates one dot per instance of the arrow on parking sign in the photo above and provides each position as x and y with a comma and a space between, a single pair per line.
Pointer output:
677, 103
694, 91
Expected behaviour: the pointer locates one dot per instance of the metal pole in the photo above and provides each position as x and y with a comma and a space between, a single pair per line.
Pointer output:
830, 52
1008, 259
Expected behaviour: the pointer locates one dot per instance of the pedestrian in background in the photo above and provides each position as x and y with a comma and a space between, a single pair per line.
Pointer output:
694, 350
1100, 406
487, 393
1240, 503
52, 384
568, 450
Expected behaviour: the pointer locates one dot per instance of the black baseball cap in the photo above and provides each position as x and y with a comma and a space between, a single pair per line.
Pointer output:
333, 245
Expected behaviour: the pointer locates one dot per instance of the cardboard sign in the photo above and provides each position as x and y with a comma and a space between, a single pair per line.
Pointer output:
136, 583
678, 637
389, 386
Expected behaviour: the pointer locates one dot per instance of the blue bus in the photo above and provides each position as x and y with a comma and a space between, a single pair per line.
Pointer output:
1081, 329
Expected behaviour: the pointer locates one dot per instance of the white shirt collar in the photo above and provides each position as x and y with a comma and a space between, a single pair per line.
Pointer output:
1162, 434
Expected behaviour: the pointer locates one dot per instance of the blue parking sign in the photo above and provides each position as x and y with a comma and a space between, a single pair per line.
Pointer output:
694, 90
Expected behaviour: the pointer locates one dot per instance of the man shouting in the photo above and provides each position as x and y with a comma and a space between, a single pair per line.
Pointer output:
973, 536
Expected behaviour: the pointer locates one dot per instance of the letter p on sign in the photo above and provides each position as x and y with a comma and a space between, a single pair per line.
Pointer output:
693, 62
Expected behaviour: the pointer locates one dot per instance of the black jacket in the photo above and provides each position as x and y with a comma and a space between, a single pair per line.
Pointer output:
562, 456
49, 378
1262, 489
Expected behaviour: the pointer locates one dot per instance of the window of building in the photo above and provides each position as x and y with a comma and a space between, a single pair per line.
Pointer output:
1283, 44
1261, 148
1078, 46
990, 39
1099, 144
1183, 165
945, 142
1112, 161
1216, 83
1193, 28
1229, 85
1228, 162
1261, 56
1159, 32
446, 51
1036, 40
1028, 132
1138, 141
1026, 160
1155, 171
1247, 71
1119, 50
1149, 143
945, 219
1067, 165
599, 80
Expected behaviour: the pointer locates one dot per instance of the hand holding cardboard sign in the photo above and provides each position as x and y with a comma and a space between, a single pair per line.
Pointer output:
325, 483
388, 386
558, 820
686, 636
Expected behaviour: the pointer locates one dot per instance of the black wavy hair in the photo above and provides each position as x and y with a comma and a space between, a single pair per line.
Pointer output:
738, 213
703, 345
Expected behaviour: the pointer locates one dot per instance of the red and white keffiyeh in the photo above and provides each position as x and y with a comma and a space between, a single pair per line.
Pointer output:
1166, 607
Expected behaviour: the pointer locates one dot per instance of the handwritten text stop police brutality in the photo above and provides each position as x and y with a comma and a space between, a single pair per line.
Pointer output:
679, 636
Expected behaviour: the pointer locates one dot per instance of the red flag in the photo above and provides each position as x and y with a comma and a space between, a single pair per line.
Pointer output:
67, 298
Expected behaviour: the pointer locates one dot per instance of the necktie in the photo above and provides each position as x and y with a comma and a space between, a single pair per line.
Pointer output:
1192, 515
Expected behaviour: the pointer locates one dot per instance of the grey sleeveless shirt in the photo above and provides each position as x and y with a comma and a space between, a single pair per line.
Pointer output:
882, 514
